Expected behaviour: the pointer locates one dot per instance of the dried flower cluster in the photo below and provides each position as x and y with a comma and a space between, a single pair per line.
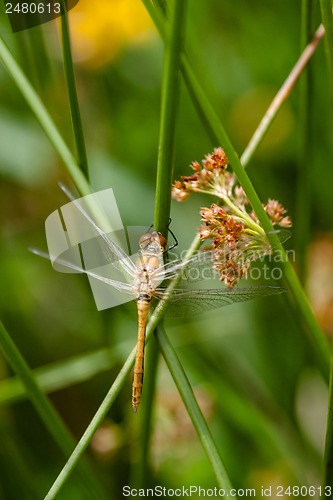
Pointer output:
206, 179
236, 236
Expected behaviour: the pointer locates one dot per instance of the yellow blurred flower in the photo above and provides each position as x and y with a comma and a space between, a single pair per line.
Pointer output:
100, 29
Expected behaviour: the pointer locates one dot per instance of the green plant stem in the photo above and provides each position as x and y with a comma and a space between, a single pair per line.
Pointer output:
326, 14
305, 111
262, 418
142, 470
193, 409
198, 96
47, 413
302, 305
169, 104
281, 96
328, 457
242, 215
59, 375
44, 118
164, 177
92, 427
72, 95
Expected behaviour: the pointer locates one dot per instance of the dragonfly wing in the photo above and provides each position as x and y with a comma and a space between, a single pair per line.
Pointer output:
118, 285
263, 240
198, 268
113, 253
282, 234
185, 303
66, 190
201, 266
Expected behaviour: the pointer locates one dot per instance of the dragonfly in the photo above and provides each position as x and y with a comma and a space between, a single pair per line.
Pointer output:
142, 280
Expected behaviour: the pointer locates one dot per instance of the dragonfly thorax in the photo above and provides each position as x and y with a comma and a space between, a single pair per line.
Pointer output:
153, 242
144, 284
148, 266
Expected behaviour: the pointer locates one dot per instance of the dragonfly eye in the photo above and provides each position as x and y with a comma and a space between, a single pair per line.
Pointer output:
163, 242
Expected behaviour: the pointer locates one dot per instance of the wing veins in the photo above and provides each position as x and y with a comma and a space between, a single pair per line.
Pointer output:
184, 302
118, 285
121, 257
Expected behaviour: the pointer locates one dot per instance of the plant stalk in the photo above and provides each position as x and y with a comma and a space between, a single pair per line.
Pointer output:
49, 416
72, 95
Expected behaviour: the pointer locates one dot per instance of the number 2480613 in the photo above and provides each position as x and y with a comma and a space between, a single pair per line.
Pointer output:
33, 8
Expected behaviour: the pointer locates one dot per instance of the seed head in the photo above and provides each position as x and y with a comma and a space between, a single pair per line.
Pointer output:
236, 236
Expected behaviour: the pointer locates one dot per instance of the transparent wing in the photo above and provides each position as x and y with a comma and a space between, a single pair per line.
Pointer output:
263, 240
118, 285
171, 269
66, 190
111, 250
282, 234
184, 303
197, 268
201, 266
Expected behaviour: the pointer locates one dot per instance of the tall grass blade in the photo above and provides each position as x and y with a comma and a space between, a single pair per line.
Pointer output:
328, 457
326, 14
59, 375
92, 427
304, 200
164, 177
47, 413
282, 96
72, 95
193, 409
169, 105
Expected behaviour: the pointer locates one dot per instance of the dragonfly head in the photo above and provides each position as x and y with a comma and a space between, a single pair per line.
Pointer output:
153, 241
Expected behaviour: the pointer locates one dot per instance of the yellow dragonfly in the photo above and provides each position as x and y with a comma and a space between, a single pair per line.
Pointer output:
142, 280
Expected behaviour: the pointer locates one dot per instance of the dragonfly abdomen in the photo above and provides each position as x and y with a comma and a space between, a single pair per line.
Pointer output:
143, 304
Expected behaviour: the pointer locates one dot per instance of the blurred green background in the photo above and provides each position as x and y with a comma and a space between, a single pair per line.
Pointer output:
251, 369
